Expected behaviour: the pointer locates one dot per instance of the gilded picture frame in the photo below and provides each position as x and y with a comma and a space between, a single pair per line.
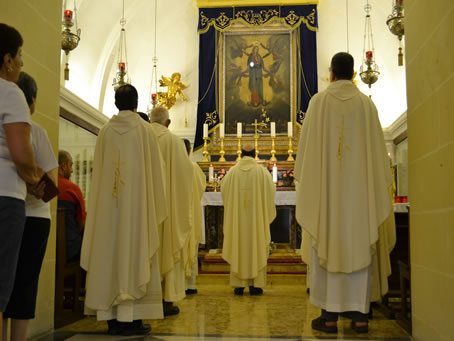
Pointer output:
257, 83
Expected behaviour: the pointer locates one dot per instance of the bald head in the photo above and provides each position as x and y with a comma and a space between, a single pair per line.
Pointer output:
248, 150
65, 164
160, 115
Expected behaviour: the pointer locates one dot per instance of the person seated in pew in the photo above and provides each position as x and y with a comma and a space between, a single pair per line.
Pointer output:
71, 198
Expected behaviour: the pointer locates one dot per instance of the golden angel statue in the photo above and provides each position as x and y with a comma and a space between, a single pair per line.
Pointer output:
174, 88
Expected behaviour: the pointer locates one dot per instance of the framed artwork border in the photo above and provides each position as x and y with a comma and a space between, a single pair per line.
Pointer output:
281, 141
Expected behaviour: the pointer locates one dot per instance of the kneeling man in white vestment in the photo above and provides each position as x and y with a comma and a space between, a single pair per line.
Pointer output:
344, 174
248, 195
125, 206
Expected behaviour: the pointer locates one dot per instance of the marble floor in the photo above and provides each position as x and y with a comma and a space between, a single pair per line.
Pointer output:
282, 313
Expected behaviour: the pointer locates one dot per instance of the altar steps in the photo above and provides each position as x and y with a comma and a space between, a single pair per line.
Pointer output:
278, 263
272, 279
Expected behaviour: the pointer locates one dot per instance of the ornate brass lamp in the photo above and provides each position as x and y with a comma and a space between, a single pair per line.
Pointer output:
122, 78
396, 25
369, 69
69, 40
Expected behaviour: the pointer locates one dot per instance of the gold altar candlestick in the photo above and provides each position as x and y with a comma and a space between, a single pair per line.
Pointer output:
290, 150
239, 149
256, 138
222, 152
205, 149
273, 150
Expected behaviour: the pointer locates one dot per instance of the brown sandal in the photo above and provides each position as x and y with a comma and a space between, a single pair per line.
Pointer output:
320, 324
360, 329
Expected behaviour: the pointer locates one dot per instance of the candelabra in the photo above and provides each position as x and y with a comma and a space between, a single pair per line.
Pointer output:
216, 183
205, 149
273, 149
256, 139
290, 150
222, 152
239, 149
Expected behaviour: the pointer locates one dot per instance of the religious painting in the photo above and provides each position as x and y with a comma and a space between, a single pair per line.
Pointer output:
256, 80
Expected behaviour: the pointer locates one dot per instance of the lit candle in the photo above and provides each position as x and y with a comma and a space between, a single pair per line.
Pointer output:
68, 15
290, 129
238, 129
221, 130
153, 97
121, 66
369, 55
210, 173
273, 129
274, 173
205, 130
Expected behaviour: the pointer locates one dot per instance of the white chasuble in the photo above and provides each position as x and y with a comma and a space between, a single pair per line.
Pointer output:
197, 234
176, 228
344, 173
248, 194
125, 207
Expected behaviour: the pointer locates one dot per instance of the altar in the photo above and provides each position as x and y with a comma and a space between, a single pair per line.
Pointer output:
285, 232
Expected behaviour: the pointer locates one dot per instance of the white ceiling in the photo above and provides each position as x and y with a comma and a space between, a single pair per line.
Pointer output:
93, 63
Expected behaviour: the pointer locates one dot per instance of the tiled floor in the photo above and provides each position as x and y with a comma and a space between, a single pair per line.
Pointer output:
282, 313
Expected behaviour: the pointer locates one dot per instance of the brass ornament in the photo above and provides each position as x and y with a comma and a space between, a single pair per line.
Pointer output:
211, 117
174, 88
257, 18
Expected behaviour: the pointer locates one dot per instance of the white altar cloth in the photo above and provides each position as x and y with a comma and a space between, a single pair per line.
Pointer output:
282, 198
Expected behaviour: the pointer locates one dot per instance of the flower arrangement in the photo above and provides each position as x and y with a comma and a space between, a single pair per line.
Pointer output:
288, 176
221, 173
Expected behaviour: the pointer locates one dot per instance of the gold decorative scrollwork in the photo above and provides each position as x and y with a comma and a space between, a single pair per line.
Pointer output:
223, 20
211, 118
301, 116
292, 18
203, 19
257, 19
265, 119
311, 17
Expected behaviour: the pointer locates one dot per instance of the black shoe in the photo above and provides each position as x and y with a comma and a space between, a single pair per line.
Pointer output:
114, 327
170, 309
191, 291
320, 324
136, 327
255, 291
360, 329
238, 291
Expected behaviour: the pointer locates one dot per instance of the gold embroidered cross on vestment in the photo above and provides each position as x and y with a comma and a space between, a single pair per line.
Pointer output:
117, 180
341, 146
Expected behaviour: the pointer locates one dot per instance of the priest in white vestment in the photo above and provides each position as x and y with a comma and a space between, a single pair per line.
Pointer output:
197, 234
344, 174
248, 194
125, 206
175, 230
